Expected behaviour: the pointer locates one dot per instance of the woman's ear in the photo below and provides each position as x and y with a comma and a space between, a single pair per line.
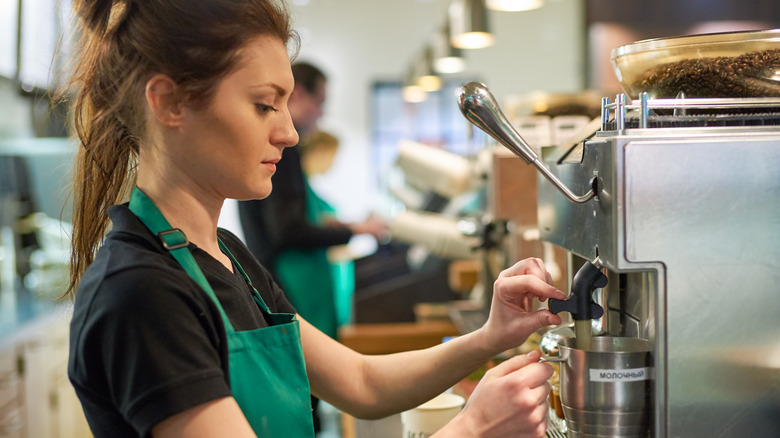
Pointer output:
163, 100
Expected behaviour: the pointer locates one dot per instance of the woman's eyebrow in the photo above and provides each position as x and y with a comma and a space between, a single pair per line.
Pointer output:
279, 90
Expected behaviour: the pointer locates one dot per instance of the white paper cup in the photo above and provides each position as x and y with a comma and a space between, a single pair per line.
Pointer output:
424, 420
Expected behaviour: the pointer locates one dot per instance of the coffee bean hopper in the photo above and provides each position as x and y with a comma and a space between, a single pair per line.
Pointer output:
669, 210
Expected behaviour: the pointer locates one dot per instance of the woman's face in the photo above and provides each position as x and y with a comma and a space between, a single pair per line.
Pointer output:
231, 146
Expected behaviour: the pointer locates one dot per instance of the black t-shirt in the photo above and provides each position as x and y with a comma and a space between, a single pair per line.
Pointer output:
146, 342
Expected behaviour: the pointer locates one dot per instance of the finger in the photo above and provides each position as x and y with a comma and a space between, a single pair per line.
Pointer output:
536, 416
533, 374
546, 318
547, 390
546, 273
529, 266
514, 363
543, 393
537, 375
548, 276
519, 285
535, 396
536, 320
541, 429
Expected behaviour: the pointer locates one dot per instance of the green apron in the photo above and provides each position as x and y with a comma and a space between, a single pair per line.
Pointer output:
267, 371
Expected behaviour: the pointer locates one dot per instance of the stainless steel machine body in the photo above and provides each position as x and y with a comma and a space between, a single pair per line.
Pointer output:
686, 221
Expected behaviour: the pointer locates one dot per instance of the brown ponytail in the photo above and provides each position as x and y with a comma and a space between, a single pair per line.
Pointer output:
122, 44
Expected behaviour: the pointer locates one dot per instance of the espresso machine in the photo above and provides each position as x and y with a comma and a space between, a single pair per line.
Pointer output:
677, 203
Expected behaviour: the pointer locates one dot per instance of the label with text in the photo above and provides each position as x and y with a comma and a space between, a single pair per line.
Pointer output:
617, 376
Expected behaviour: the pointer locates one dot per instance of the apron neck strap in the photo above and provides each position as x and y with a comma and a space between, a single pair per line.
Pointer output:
255, 294
175, 241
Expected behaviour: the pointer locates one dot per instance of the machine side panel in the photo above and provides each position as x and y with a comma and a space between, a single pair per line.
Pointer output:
710, 211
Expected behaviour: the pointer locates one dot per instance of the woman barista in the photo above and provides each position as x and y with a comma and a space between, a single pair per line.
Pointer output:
177, 330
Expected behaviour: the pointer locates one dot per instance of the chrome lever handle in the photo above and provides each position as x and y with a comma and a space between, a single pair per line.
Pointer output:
479, 107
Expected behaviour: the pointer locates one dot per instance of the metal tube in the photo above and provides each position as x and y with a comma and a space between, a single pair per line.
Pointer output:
480, 107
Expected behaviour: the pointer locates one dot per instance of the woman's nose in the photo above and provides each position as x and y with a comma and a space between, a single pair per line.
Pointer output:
287, 136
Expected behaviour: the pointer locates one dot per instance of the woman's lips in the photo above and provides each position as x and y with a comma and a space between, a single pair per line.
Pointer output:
270, 165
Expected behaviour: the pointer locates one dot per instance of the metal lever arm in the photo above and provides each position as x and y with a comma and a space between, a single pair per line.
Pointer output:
480, 107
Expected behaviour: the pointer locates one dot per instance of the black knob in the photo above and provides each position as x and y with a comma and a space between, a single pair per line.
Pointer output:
580, 302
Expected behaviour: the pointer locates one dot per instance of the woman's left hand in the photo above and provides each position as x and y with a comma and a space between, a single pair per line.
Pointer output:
512, 318
510, 401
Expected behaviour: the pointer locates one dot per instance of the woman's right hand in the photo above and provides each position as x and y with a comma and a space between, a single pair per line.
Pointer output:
510, 401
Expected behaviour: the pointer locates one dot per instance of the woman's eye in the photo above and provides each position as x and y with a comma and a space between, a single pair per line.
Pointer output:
264, 109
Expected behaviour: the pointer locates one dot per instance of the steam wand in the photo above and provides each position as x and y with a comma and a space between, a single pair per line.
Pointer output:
479, 107
580, 303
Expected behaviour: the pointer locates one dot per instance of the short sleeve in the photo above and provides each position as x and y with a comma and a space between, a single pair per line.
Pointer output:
152, 343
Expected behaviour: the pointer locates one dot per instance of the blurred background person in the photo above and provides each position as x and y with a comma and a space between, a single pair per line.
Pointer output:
319, 286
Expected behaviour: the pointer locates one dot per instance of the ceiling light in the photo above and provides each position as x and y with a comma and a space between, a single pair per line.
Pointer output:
514, 5
411, 91
427, 78
469, 24
446, 58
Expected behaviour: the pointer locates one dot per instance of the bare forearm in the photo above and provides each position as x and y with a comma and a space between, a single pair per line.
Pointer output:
377, 386
401, 381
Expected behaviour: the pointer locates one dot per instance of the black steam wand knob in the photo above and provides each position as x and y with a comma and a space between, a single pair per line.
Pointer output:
580, 303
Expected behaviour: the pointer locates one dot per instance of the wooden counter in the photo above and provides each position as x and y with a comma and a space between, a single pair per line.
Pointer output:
395, 337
